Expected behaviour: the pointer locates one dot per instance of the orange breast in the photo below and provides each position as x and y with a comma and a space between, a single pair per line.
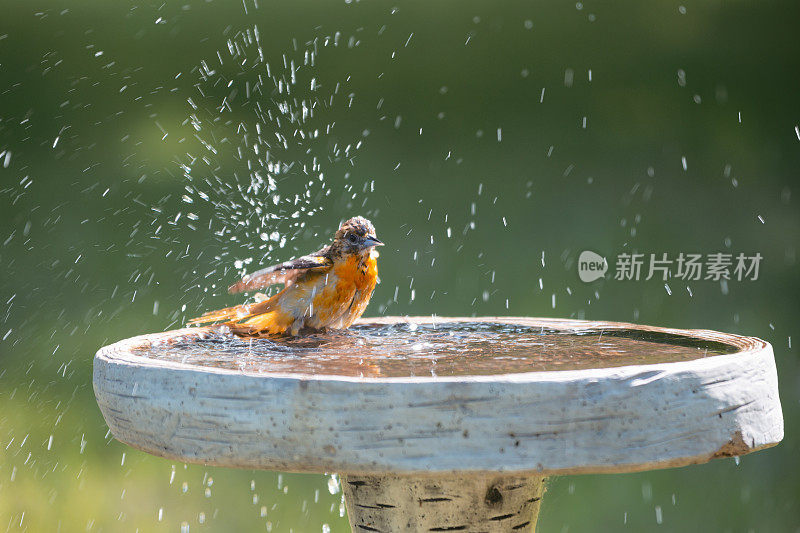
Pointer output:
345, 294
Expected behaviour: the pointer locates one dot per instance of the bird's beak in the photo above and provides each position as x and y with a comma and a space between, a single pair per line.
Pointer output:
372, 241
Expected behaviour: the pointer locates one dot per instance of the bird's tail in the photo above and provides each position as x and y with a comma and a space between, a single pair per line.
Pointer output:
260, 318
237, 313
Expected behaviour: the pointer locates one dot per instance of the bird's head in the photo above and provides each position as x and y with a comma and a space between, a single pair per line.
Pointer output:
355, 236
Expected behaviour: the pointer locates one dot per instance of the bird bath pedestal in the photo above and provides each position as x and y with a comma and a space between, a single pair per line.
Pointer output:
444, 424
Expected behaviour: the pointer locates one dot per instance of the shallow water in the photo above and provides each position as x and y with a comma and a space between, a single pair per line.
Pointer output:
444, 349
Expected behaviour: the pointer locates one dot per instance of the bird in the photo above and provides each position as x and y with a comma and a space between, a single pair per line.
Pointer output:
327, 289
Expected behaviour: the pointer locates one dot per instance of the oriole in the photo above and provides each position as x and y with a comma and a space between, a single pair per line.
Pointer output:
329, 288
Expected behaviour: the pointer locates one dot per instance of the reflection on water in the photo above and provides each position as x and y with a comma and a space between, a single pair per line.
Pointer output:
446, 349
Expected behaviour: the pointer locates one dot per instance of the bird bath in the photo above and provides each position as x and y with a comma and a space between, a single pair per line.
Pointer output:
444, 424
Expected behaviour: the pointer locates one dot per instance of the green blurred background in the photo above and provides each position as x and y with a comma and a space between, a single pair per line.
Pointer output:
490, 144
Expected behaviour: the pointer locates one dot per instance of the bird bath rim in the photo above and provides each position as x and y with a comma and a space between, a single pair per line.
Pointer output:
618, 419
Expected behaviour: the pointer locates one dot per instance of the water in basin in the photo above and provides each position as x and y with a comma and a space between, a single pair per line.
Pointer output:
442, 349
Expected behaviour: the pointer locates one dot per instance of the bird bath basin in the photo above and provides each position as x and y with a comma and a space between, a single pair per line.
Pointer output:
444, 424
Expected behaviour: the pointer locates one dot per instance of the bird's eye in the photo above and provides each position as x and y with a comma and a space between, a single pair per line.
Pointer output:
352, 237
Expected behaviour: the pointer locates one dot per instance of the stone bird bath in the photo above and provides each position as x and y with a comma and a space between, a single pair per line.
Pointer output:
444, 424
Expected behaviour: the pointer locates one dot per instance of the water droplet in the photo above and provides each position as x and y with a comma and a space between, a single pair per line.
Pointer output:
333, 484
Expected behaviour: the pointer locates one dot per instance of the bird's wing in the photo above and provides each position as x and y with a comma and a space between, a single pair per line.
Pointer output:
285, 273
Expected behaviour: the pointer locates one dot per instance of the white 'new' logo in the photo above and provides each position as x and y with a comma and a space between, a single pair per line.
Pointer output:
591, 266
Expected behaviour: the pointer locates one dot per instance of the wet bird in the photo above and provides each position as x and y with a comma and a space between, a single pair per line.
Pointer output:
328, 289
